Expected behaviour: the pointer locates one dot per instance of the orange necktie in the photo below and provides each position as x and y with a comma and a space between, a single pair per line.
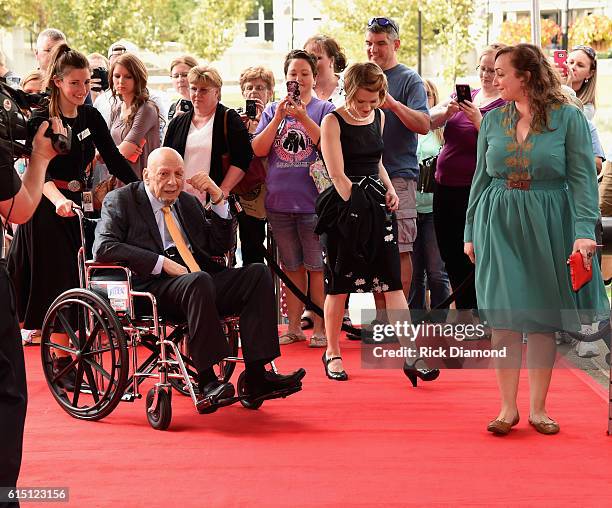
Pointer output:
179, 241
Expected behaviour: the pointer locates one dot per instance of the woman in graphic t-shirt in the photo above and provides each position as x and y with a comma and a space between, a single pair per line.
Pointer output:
288, 134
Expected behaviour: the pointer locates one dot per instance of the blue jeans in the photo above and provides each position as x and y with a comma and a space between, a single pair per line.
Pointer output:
427, 265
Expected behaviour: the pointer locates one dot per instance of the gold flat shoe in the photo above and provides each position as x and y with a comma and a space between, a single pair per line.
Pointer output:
548, 428
501, 427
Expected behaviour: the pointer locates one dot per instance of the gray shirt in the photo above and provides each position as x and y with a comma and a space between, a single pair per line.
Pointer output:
145, 126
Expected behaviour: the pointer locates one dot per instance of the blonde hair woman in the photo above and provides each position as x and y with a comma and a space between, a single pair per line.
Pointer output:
200, 135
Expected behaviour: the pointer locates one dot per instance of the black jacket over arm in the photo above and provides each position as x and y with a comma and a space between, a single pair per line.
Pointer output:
127, 231
238, 144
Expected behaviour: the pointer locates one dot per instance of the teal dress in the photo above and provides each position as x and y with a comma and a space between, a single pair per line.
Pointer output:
528, 203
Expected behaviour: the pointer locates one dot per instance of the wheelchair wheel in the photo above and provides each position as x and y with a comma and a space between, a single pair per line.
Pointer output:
242, 392
91, 383
160, 418
224, 370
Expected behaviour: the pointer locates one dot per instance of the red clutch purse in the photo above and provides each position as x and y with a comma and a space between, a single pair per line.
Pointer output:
578, 273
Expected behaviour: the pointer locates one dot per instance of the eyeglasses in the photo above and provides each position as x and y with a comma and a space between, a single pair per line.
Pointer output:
118, 50
485, 70
383, 22
179, 75
588, 50
257, 88
204, 91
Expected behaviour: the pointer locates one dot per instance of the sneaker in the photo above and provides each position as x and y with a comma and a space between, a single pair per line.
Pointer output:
587, 349
290, 338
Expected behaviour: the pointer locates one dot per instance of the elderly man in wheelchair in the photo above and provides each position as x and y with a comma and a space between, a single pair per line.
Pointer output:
162, 235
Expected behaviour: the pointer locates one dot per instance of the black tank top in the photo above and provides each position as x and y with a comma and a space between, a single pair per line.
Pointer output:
362, 146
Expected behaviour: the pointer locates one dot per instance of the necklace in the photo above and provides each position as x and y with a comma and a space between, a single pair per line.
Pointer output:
357, 118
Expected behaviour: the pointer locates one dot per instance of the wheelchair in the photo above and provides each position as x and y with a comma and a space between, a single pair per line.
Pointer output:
117, 340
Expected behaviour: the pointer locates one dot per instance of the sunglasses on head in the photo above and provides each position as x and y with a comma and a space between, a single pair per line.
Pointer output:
384, 22
587, 49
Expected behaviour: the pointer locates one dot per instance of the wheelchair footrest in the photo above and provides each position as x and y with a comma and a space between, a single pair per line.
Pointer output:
278, 394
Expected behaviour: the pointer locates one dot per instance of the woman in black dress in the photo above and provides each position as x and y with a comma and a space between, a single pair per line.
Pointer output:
361, 256
43, 256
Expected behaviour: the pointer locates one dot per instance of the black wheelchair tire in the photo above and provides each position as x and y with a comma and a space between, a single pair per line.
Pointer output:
93, 307
160, 419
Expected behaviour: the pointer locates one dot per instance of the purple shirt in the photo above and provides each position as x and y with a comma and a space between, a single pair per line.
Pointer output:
289, 186
457, 160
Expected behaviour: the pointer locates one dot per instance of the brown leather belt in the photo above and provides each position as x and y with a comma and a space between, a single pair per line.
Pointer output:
523, 185
72, 185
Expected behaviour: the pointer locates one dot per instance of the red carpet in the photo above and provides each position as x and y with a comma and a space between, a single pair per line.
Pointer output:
372, 441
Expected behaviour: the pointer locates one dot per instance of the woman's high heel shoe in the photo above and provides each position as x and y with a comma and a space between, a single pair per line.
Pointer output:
336, 376
413, 373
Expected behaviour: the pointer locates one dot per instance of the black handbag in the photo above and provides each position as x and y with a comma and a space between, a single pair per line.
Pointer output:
427, 172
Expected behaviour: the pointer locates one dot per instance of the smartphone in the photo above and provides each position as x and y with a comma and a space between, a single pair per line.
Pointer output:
293, 89
102, 74
560, 57
251, 108
464, 93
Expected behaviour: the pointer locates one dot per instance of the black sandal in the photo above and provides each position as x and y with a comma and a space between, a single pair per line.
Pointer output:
336, 376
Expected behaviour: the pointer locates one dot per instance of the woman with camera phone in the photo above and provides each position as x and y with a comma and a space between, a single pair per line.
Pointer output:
455, 169
43, 255
179, 69
211, 137
288, 134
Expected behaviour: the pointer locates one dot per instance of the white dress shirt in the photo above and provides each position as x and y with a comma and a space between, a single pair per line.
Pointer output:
221, 209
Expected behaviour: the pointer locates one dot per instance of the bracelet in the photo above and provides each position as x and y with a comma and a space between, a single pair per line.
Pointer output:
221, 198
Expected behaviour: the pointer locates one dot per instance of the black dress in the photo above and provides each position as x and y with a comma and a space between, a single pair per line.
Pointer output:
43, 256
362, 148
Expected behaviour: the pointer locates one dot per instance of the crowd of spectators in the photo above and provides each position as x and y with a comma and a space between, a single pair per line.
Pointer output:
370, 230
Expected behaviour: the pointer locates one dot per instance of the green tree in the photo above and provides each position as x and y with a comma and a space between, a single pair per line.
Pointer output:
206, 27
450, 24
209, 27
445, 26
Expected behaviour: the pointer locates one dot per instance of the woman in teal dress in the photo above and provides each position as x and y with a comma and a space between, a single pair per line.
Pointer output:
533, 202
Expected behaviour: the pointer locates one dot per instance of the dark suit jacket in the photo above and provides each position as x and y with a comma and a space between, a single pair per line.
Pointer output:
127, 231
238, 143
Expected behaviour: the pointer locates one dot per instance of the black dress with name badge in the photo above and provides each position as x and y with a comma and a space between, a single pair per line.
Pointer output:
43, 255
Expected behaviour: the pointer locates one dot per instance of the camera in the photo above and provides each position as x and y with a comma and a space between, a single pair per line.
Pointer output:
102, 74
185, 106
17, 130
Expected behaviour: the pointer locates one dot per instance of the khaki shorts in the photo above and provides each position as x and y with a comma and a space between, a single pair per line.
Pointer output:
406, 215
605, 190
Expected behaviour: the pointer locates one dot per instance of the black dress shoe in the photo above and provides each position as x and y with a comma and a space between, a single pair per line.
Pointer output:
413, 373
273, 385
213, 396
336, 376
68, 380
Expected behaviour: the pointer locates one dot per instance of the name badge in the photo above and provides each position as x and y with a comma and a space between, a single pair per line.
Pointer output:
87, 201
83, 134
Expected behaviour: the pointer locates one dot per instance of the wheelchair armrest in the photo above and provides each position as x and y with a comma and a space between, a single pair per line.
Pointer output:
98, 264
